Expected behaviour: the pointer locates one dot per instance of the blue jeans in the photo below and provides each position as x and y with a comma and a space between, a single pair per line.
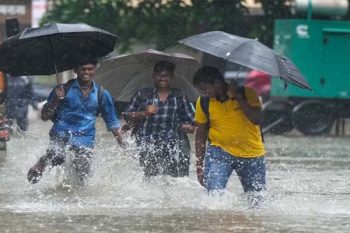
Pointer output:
219, 165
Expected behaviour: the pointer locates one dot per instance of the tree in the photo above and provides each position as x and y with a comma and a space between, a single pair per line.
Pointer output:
152, 21
272, 10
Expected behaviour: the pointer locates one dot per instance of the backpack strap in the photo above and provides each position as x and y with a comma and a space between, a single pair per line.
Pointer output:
68, 85
241, 90
100, 96
204, 102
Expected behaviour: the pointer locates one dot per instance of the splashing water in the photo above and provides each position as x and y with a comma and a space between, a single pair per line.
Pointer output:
307, 181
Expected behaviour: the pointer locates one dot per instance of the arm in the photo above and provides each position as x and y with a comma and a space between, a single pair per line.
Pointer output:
187, 116
135, 116
118, 136
200, 145
254, 114
109, 115
50, 107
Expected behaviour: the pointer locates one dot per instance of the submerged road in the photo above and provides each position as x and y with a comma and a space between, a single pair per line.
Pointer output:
308, 191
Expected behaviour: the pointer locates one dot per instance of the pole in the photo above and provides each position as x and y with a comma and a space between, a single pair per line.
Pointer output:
309, 10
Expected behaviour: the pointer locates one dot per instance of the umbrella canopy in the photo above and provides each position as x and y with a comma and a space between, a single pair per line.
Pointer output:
247, 52
53, 48
124, 75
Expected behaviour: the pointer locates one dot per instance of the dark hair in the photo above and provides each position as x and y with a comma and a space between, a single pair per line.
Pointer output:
164, 65
207, 75
87, 60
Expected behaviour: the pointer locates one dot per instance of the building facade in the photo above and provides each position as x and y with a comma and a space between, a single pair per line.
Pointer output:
20, 9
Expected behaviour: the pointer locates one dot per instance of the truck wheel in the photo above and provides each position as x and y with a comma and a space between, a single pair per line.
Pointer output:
313, 117
277, 117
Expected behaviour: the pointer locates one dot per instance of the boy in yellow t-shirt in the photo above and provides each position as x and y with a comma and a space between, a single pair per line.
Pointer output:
232, 126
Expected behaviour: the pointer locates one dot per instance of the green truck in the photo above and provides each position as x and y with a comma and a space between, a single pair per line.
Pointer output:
321, 50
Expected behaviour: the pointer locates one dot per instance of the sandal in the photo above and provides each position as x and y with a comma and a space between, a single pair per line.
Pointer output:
35, 173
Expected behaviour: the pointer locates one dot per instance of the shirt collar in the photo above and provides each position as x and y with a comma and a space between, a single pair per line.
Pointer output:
155, 93
76, 84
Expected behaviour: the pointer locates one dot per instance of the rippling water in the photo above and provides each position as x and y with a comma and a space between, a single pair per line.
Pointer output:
308, 191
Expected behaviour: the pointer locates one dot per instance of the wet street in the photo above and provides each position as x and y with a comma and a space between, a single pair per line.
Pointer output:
308, 191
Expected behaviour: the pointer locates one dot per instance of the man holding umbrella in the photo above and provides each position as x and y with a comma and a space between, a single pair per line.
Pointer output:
230, 115
73, 108
51, 49
230, 119
157, 114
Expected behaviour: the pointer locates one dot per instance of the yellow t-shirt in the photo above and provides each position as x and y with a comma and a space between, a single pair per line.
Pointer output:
230, 129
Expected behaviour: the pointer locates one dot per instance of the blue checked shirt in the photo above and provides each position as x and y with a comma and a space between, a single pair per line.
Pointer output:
164, 124
76, 115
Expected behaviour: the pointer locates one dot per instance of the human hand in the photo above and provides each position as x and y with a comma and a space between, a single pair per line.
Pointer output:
232, 89
151, 110
60, 93
188, 128
118, 135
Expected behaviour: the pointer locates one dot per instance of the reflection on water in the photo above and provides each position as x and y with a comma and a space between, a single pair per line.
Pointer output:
308, 191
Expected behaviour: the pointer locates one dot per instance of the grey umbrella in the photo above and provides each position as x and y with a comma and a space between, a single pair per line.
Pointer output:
124, 75
247, 52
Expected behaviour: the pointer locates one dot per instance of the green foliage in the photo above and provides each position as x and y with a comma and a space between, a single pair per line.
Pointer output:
151, 21
162, 24
276, 9
97, 12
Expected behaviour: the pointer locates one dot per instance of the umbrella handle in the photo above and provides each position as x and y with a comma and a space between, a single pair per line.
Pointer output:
57, 76
59, 82
239, 70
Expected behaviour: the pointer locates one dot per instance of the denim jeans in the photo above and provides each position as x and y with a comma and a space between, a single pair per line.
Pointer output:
219, 165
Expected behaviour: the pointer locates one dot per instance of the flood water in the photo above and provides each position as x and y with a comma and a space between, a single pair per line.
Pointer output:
307, 179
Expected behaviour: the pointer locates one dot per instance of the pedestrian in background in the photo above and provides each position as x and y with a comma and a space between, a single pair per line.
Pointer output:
18, 96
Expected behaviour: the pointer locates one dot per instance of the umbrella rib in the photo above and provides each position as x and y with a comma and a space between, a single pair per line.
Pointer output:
275, 58
241, 45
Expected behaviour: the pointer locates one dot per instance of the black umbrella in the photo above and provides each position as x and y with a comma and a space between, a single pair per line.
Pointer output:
54, 48
247, 52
